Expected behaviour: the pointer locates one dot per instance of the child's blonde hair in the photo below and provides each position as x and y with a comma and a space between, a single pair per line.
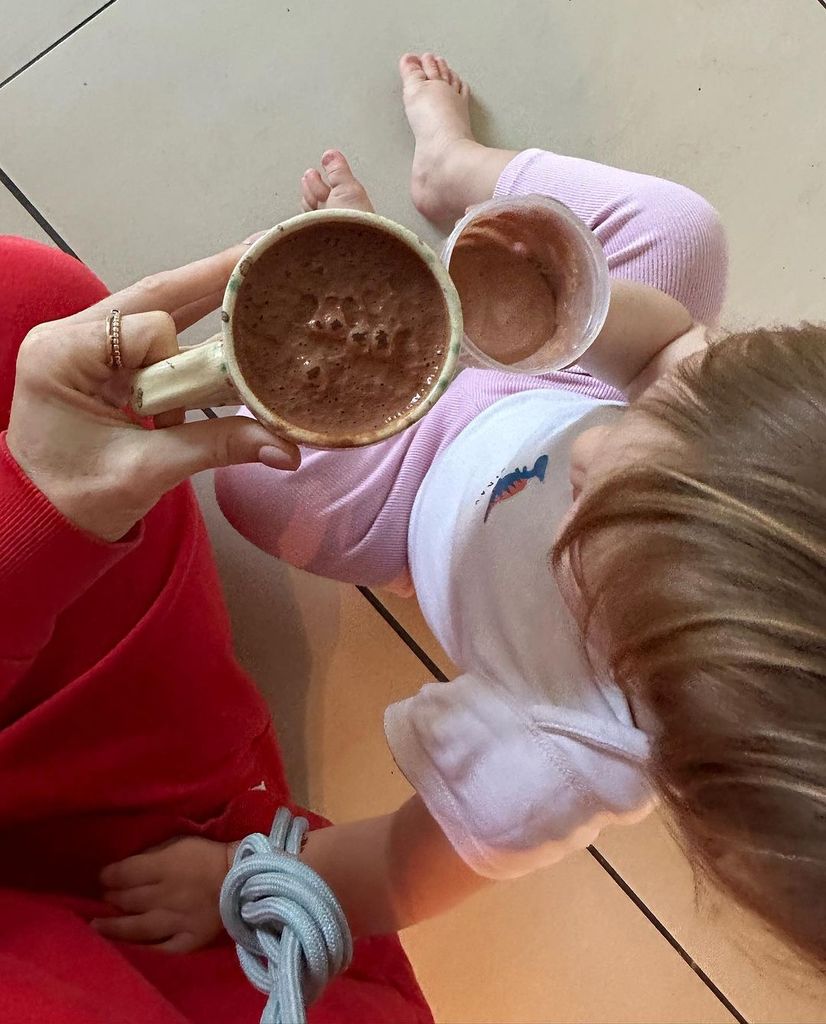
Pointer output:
701, 570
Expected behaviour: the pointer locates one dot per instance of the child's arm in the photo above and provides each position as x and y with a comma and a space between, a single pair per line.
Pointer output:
392, 871
388, 872
646, 333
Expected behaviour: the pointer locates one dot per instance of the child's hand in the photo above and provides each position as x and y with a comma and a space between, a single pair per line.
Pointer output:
168, 895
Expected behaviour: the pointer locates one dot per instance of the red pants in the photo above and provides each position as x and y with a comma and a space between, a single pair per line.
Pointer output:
132, 723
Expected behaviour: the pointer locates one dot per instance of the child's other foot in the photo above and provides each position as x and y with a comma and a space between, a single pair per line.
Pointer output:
336, 189
436, 102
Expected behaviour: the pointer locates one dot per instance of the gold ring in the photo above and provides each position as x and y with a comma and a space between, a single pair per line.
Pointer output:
113, 336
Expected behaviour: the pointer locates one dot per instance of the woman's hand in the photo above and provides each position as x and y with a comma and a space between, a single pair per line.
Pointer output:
69, 433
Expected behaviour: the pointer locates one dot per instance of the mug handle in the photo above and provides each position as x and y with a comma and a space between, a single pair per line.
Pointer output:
192, 379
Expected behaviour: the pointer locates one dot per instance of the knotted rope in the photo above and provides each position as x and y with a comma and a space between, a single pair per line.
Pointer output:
290, 932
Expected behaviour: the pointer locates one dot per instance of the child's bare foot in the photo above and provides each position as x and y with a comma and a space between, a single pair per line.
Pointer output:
451, 170
436, 102
340, 191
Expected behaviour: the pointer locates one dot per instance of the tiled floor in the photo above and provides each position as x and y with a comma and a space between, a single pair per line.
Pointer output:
160, 131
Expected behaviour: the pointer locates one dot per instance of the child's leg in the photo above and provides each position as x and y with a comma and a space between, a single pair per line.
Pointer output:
653, 231
342, 514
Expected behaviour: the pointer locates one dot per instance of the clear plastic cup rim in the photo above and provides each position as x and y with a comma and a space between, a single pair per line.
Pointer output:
594, 255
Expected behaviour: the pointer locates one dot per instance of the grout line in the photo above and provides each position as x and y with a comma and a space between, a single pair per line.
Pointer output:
606, 865
33, 211
400, 631
666, 934
57, 42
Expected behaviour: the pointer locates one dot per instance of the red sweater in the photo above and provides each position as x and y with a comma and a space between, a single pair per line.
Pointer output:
125, 720
124, 716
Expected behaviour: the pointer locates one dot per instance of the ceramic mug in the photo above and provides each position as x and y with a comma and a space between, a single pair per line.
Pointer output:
209, 374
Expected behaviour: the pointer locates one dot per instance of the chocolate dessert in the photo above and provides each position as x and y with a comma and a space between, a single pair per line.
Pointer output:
340, 328
517, 273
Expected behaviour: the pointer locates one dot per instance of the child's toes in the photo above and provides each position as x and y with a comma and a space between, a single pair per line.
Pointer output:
337, 169
314, 190
153, 926
347, 191
444, 70
430, 67
410, 68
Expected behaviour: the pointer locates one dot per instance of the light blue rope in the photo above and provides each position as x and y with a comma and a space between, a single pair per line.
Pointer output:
290, 932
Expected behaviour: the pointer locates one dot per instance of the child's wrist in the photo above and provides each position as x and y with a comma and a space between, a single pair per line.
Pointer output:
230, 849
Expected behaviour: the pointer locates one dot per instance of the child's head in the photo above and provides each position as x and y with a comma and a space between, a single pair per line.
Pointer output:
698, 549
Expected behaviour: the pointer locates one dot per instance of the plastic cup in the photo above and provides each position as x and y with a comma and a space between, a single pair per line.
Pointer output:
557, 238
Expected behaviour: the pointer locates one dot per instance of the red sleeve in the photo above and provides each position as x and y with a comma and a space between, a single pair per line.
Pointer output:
46, 563
37, 283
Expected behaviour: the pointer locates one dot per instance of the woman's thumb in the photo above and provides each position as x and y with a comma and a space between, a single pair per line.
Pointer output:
181, 451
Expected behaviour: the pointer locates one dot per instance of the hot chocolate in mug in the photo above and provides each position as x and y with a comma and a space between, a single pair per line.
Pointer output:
339, 329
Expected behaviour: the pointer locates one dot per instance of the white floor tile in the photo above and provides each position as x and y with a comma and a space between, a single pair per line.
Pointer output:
566, 946
28, 28
15, 220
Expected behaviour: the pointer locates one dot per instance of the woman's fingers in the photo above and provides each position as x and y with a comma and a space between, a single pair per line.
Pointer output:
81, 355
190, 314
154, 926
145, 338
179, 452
188, 293
170, 290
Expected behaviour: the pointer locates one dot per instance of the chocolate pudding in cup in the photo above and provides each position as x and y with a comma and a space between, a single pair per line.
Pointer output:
533, 283
339, 329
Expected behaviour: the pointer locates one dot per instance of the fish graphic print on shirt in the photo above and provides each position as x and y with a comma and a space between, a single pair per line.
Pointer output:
514, 482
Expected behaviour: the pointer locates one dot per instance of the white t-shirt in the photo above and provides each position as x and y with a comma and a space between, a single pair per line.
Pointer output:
526, 756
